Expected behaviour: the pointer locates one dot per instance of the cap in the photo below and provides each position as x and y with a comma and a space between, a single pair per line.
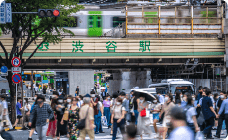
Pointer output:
87, 95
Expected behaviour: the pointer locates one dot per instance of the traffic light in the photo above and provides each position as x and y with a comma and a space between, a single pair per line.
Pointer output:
48, 12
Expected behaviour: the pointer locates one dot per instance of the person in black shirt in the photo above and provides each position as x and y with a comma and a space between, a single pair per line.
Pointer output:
222, 97
77, 91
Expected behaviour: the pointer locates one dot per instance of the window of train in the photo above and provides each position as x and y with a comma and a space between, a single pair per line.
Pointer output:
71, 22
118, 20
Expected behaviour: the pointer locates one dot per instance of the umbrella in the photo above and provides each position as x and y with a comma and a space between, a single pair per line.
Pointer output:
146, 93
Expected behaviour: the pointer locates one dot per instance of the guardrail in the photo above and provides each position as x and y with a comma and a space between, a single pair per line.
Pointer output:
191, 24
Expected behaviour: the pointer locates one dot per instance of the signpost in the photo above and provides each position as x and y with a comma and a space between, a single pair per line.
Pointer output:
4, 71
16, 78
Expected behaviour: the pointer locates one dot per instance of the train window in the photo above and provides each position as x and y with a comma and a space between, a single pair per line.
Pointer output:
118, 20
99, 24
71, 22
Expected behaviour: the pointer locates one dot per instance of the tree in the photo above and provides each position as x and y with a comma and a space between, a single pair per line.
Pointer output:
23, 26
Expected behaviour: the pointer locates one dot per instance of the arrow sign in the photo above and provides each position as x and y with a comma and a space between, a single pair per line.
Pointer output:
16, 78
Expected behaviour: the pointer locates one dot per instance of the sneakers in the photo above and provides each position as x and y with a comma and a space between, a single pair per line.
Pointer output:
29, 138
35, 133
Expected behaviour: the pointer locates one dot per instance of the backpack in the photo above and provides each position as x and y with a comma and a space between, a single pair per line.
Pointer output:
186, 110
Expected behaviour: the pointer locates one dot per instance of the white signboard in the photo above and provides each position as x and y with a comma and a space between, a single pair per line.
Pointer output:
4, 74
16, 69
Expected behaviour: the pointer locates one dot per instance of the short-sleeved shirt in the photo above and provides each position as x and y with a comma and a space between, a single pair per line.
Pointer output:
206, 104
106, 103
156, 107
77, 89
18, 106
219, 103
90, 116
118, 111
182, 133
95, 107
191, 112
161, 99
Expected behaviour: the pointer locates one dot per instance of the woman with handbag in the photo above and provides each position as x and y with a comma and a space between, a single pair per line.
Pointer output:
73, 119
61, 122
143, 118
117, 118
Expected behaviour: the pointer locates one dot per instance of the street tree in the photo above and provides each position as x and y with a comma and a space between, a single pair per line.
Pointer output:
23, 27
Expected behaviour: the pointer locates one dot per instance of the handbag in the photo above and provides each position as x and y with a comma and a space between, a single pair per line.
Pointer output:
66, 115
143, 113
82, 122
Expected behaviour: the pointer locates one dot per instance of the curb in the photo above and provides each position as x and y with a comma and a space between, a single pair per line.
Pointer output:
17, 128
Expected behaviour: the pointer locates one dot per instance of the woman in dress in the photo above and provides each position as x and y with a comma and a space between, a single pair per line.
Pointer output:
143, 122
52, 123
73, 120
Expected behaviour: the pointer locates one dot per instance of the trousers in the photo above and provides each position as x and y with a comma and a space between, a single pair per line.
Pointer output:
42, 130
107, 115
209, 124
116, 125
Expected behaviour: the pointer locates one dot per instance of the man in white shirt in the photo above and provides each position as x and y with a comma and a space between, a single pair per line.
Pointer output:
161, 98
5, 111
180, 129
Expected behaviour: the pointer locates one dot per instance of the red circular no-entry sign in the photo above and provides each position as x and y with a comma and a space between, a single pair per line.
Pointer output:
16, 78
16, 62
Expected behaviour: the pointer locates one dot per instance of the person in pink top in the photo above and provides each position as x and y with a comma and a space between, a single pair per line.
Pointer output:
107, 114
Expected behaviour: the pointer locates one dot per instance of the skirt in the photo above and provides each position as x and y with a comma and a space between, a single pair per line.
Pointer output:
143, 125
52, 128
166, 122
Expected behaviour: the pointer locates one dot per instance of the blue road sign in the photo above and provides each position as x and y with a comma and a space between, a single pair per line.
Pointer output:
8, 13
4, 69
2, 13
16, 78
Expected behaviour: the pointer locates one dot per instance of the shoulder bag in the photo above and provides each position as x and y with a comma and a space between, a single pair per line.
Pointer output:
82, 122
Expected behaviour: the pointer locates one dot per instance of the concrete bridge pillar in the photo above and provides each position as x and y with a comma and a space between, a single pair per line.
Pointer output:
128, 80
82, 78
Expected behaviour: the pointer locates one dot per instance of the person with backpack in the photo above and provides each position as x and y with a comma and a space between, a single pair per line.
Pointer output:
117, 118
191, 114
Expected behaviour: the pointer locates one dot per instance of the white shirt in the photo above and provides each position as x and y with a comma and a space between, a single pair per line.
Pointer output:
182, 133
161, 99
29, 106
191, 112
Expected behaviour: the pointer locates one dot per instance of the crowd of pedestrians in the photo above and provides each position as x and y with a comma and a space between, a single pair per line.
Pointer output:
181, 117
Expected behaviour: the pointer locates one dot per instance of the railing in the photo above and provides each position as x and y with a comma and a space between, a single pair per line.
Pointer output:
117, 32
189, 24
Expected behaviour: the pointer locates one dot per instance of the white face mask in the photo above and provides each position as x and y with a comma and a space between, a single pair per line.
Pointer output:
34, 98
181, 96
222, 96
166, 99
92, 95
68, 100
118, 103
184, 98
142, 100
60, 101
193, 99
155, 101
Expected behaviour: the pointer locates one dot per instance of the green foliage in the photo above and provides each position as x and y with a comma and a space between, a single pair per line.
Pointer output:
33, 25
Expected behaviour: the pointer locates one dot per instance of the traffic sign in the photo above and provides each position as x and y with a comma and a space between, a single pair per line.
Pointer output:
16, 62
16, 69
2, 13
16, 78
4, 69
8, 12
